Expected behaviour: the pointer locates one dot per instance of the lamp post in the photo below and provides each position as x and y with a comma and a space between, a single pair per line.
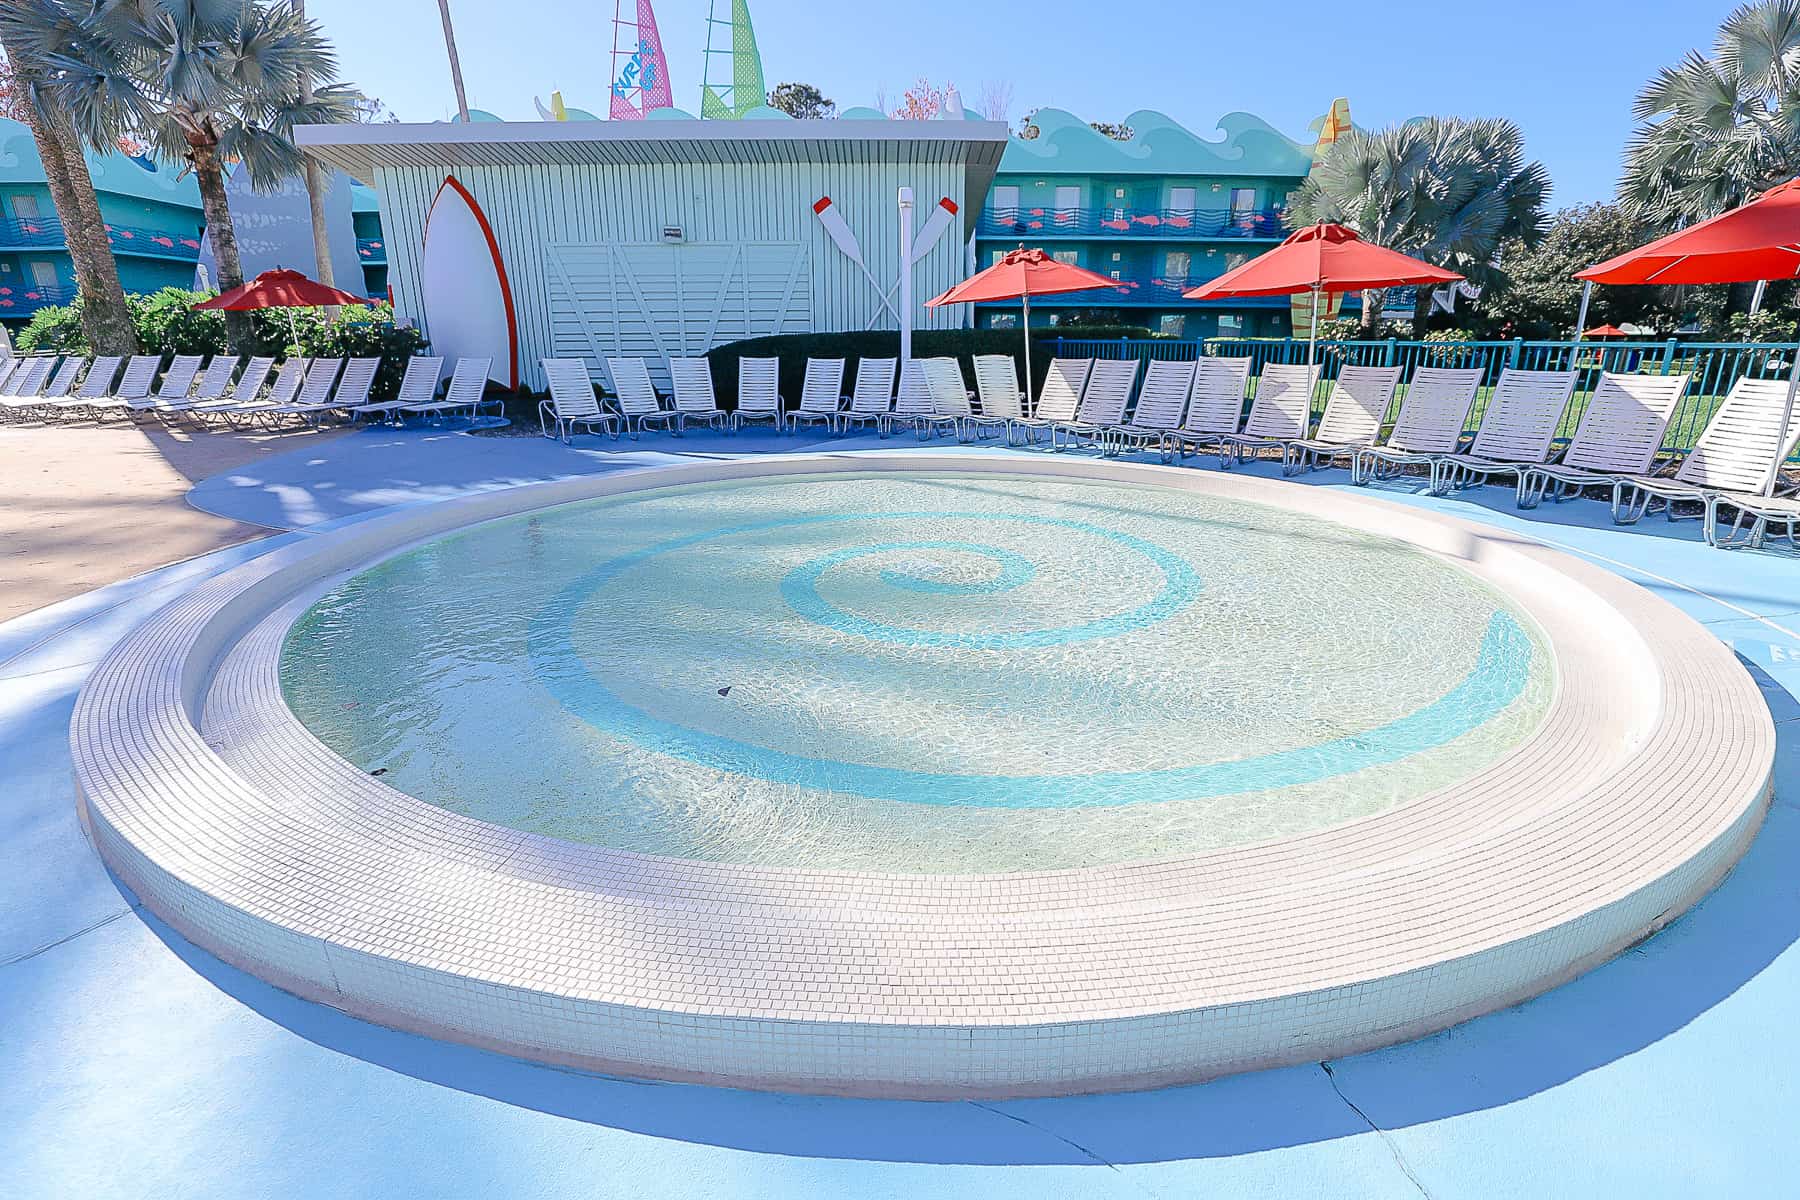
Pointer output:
906, 279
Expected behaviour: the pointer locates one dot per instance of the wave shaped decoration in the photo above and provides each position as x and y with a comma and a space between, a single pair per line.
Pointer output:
113, 173
1159, 146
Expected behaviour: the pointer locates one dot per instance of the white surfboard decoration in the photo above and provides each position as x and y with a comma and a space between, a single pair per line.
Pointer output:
468, 301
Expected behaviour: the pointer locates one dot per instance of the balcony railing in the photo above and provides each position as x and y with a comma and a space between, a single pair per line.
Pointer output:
1167, 224
371, 250
25, 233
17, 302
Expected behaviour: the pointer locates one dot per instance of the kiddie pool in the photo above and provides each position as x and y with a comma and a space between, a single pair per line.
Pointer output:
920, 776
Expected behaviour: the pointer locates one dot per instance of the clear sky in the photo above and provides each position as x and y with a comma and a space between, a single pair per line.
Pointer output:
1565, 70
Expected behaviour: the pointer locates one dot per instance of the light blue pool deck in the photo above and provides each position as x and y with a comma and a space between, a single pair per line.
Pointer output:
134, 1065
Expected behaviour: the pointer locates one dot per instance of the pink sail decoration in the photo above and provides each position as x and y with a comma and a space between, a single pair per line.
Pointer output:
640, 69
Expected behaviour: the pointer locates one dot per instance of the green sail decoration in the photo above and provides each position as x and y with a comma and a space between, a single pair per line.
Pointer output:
722, 100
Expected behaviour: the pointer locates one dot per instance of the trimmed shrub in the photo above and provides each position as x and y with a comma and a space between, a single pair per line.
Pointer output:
793, 349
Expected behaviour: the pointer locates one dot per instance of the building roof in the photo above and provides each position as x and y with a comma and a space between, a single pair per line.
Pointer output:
116, 174
360, 149
1068, 145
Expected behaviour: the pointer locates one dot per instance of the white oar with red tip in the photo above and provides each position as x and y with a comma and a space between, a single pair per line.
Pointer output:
838, 230
930, 234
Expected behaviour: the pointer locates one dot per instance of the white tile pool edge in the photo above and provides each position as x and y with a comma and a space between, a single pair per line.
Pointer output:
344, 891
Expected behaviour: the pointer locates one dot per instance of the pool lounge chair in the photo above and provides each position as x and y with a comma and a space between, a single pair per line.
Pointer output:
95, 395
1619, 436
695, 399
418, 386
997, 388
1733, 456
822, 394
636, 399
209, 388
913, 406
1354, 412
1161, 404
24, 388
572, 402
1764, 514
1215, 408
315, 398
1281, 412
137, 381
950, 408
1059, 399
289, 379
872, 397
467, 390
1517, 430
1433, 415
172, 393
62, 381
759, 393
244, 394
1103, 403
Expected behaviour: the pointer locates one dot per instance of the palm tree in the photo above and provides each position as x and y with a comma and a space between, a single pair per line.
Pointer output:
206, 81
105, 320
1717, 131
1444, 189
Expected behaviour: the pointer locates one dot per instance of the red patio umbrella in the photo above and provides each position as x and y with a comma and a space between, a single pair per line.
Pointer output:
281, 289
1759, 241
1020, 275
1321, 258
1606, 331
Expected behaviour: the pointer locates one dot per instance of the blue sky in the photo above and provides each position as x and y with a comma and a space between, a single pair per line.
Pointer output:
1565, 70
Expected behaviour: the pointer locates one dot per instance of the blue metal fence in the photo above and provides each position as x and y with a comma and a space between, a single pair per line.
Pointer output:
25, 233
1164, 223
1714, 366
19, 302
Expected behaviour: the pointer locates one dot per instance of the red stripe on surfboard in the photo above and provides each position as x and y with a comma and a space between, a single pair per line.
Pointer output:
506, 297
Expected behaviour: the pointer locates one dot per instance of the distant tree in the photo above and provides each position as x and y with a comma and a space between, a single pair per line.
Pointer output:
994, 100
1443, 189
1118, 132
369, 110
14, 100
802, 101
1537, 295
922, 101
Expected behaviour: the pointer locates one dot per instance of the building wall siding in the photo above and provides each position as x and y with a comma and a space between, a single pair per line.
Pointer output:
534, 209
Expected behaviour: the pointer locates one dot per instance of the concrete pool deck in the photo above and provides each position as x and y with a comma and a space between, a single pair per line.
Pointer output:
1670, 1071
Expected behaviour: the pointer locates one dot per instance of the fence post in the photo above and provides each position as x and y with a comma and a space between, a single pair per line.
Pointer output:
1669, 356
1393, 349
1513, 352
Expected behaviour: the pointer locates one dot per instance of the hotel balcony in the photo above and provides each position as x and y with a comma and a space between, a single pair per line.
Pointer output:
19, 302
46, 233
1201, 224
371, 250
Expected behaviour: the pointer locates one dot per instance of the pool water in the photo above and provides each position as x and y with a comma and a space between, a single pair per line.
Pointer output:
917, 673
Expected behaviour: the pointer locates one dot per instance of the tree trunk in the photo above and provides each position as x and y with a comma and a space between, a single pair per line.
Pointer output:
315, 199
211, 179
1372, 304
105, 319
1422, 311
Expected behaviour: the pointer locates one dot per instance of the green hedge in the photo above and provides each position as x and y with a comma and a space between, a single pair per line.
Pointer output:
168, 323
793, 349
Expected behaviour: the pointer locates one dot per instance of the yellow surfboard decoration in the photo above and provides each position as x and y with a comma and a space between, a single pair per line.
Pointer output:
1333, 125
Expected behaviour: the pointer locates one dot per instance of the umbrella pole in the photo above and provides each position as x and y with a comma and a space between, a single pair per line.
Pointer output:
1587, 293
294, 331
1787, 423
1025, 323
1312, 336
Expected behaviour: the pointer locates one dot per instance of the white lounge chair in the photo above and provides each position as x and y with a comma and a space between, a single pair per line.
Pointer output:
210, 387
1103, 402
1763, 512
95, 394
1620, 435
1281, 412
759, 393
139, 376
572, 402
1161, 404
467, 389
997, 388
636, 398
950, 409
418, 387
1433, 415
822, 395
1215, 409
1732, 457
24, 388
172, 393
1354, 411
1516, 430
244, 395
62, 381
913, 406
315, 397
1059, 399
695, 399
289, 379
872, 398
314, 394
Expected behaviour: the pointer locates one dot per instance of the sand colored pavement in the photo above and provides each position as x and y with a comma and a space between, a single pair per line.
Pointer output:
84, 505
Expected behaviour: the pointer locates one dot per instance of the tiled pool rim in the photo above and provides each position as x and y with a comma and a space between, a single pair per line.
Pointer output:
1643, 786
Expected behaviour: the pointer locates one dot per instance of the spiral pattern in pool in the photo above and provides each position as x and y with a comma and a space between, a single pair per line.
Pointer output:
917, 673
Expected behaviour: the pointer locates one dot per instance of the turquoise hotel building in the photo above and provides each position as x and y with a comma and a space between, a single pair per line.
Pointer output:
1161, 212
